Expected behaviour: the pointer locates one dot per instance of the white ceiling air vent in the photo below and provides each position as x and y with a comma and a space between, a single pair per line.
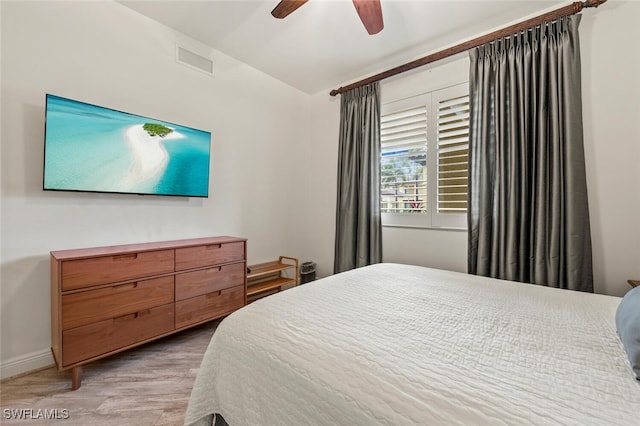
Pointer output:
194, 60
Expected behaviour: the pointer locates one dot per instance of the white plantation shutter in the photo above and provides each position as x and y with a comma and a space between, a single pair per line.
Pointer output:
403, 160
453, 154
425, 184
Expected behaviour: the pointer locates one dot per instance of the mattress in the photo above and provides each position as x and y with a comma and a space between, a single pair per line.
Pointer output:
396, 344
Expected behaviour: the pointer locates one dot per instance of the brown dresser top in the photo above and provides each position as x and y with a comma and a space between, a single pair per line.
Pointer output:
128, 248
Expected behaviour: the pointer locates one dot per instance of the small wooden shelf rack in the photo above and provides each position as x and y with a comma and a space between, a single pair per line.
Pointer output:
270, 277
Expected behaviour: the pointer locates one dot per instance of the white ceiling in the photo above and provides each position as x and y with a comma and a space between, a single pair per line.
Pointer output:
323, 45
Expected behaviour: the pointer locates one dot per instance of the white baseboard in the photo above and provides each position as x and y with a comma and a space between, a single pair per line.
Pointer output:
25, 363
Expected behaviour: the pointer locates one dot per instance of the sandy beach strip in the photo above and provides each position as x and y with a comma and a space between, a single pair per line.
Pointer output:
148, 154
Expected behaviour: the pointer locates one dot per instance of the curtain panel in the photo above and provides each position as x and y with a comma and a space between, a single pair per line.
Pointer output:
528, 210
358, 240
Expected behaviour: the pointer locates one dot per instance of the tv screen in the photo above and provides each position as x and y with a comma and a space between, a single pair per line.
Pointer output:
95, 149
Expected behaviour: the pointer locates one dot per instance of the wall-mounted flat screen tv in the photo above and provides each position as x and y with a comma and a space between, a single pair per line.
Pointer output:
91, 148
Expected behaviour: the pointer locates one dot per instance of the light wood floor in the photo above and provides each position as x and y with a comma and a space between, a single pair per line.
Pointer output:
149, 385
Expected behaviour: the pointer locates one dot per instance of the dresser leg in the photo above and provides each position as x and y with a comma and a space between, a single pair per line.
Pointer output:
76, 377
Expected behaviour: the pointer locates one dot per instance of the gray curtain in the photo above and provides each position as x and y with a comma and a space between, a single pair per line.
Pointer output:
358, 223
528, 215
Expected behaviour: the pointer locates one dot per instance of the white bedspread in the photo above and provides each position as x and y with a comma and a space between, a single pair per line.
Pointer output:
402, 345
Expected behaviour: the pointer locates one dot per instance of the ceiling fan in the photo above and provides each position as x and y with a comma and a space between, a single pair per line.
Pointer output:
369, 11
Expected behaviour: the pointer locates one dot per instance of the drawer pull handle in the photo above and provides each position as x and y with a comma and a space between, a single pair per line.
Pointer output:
126, 317
214, 246
133, 316
126, 286
214, 294
130, 256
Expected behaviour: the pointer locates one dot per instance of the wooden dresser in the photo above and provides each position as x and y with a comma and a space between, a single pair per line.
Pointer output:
108, 299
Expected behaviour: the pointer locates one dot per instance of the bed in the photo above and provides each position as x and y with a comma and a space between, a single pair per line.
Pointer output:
400, 345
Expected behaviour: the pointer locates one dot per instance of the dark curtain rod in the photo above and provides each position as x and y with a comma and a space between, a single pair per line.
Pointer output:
570, 9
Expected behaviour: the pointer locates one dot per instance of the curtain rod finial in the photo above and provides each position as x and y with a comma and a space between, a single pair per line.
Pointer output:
335, 92
593, 3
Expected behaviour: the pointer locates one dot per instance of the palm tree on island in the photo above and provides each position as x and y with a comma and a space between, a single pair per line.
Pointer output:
155, 129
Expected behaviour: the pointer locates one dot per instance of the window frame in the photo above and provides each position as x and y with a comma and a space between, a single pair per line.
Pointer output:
432, 219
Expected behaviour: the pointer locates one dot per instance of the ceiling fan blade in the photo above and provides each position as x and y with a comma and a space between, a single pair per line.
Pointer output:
370, 13
286, 7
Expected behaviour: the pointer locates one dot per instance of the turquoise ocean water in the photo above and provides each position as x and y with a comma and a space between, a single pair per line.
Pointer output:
85, 150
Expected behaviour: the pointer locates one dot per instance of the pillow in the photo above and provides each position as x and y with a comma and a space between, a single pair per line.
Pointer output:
628, 325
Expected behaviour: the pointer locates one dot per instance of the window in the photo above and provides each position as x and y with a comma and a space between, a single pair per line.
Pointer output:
424, 159
403, 162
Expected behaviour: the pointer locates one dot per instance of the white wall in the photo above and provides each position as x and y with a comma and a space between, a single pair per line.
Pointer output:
611, 89
316, 202
107, 54
611, 109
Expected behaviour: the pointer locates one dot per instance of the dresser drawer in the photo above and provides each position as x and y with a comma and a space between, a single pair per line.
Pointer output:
91, 340
209, 306
96, 305
110, 269
203, 281
207, 255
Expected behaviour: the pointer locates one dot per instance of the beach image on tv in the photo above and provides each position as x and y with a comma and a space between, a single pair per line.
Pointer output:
91, 148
